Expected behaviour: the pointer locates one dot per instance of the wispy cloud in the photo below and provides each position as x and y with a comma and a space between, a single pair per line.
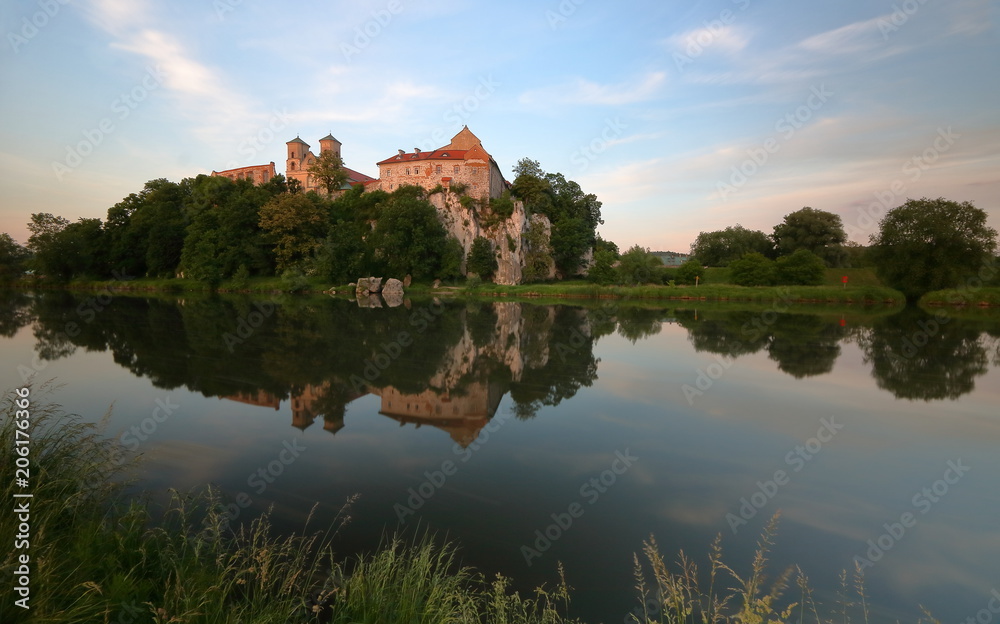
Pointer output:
585, 92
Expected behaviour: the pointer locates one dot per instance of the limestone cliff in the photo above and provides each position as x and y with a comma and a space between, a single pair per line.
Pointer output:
471, 218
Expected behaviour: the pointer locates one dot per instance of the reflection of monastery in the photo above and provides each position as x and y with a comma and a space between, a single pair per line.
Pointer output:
460, 399
460, 416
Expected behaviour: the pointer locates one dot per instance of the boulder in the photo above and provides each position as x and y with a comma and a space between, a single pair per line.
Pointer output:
436, 284
407, 280
392, 285
362, 287
374, 284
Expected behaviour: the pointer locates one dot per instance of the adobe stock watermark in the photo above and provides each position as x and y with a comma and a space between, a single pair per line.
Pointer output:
460, 112
987, 614
32, 25
586, 154
564, 10
590, 492
371, 29
786, 128
263, 477
901, 14
435, 480
704, 38
706, 377
224, 7
255, 143
912, 170
122, 107
796, 459
922, 502
247, 324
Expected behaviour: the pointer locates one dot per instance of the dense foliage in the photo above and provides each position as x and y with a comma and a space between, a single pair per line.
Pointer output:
818, 231
482, 259
724, 246
574, 214
932, 244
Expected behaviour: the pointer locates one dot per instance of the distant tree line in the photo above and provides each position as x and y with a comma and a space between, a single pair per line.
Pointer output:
212, 229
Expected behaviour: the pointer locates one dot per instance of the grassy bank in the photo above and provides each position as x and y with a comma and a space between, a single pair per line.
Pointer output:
986, 297
707, 292
97, 555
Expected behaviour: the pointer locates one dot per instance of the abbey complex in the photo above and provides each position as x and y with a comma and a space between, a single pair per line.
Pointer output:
463, 161
462, 166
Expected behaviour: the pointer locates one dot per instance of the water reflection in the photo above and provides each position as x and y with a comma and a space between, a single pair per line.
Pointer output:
447, 364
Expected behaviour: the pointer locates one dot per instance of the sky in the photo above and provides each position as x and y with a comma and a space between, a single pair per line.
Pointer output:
681, 117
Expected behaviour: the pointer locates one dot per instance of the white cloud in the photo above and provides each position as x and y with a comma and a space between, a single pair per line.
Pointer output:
585, 92
727, 39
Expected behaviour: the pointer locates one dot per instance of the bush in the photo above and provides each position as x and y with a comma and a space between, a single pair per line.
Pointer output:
602, 272
753, 269
801, 268
482, 259
638, 266
687, 272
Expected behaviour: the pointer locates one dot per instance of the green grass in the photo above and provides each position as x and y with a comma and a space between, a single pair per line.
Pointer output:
980, 297
98, 555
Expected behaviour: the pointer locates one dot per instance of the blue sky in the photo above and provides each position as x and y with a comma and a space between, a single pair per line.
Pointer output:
681, 117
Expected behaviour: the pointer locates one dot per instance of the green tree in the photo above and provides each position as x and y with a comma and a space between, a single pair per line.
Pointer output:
45, 244
603, 270
601, 245
753, 269
802, 267
721, 247
687, 272
409, 237
482, 259
819, 231
295, 225
329, 170
12, 257
930, 244
638, 266
537, 252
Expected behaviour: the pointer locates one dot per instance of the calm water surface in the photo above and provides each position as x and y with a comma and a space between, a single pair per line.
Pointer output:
873, 432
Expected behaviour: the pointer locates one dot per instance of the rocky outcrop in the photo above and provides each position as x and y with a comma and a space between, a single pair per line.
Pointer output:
392, 292
368, 286
476, 218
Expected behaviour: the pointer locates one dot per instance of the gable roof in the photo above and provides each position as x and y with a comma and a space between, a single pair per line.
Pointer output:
438, 154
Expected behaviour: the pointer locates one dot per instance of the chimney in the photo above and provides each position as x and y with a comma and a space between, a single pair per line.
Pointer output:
416, 150
401, 152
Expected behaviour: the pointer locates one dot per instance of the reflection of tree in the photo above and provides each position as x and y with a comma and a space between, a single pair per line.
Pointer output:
14, 311
726, 333
916, 356
804, 345
325, 353
639, 323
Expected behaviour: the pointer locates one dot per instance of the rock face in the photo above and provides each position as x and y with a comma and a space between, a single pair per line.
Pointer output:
392, 287
507, 234
368, 286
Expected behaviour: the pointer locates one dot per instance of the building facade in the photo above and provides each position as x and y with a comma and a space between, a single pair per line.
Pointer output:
300, 158
463, 161
258, 174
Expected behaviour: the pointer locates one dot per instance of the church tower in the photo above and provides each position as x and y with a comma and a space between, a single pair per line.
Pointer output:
329, 144
297, 150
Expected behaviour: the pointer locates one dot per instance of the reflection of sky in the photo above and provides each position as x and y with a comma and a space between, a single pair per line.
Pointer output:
695, 464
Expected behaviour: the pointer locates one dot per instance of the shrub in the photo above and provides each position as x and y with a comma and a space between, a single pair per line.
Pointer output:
801, 268
602, 272
753, 269
687, 272
482, 259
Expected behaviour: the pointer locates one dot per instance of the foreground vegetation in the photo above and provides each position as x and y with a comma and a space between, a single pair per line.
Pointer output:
98, 555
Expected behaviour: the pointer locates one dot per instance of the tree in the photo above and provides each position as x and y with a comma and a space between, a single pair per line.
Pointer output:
803, 267
930, 244
295, 225
687, 272
538, 259
482, 259
409, 237
818, 231
602, 271
600, 245
328, 168
12, 257
721, 247
638, 266
44, 243
753, 269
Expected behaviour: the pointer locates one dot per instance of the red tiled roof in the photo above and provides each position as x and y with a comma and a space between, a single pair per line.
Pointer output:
355, 176
439, 154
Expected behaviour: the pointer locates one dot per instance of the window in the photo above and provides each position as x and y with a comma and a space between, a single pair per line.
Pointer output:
438, 169
291, 166
456, 169
416, 170
407, 171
